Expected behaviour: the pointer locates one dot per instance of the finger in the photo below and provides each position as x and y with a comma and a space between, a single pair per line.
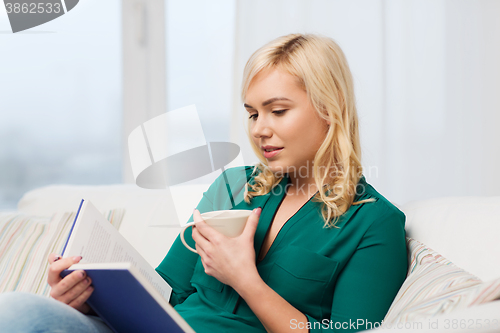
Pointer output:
199, 239
63, 290
203, 228
203, 258
200, 222
252, 223
84, 308
55, 269
79, 302
53, 257
197, 216
201, 252
75, 292
196, 235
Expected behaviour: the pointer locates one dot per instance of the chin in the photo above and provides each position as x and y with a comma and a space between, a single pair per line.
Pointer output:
278, 168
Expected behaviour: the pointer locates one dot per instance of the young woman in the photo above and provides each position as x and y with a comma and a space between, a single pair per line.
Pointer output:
327, 251
322, 250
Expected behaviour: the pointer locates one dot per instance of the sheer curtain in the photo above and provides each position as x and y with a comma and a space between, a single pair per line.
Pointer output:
178, 53
426, 79
442, 98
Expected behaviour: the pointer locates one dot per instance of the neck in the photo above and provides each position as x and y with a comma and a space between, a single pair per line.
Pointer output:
301, 186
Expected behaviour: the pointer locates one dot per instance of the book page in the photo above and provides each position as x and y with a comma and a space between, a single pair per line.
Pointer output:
97, 241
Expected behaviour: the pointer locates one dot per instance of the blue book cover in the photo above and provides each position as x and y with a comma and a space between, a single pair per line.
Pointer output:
127, 302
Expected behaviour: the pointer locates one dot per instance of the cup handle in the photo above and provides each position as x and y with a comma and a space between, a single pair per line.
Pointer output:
182, 237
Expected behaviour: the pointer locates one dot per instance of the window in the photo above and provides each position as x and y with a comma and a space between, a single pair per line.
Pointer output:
60, 101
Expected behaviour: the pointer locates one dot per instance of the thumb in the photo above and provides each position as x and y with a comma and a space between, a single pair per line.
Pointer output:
252, 222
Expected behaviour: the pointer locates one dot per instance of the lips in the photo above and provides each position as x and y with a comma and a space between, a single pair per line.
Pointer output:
270, 148
272, 152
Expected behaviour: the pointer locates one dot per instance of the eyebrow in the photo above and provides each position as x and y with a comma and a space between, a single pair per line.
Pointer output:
269, 101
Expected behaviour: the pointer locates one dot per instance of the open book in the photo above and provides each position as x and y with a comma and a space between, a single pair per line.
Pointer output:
129, 295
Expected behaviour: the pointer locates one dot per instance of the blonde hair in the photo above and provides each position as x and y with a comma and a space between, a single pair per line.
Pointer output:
323, 72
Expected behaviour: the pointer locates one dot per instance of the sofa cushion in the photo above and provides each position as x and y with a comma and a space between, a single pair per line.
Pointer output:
434, 286
463, 229
25, 243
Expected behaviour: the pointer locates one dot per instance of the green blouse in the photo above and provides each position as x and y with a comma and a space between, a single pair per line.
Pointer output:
341, 278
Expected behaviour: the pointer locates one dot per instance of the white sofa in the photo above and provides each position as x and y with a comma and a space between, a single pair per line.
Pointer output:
464, 230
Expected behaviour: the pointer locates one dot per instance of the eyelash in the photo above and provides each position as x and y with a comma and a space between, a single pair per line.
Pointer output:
276, 112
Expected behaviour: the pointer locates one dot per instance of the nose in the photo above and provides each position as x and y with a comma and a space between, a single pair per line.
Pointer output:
261, 127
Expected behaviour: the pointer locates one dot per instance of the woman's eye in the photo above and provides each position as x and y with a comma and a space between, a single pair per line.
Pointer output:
255, 115
279, 111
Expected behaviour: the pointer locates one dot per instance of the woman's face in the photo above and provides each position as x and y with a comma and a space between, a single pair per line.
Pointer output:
282, 116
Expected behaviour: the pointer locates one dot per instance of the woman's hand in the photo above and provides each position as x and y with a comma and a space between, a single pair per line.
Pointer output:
229, 260
74, 289
232, 262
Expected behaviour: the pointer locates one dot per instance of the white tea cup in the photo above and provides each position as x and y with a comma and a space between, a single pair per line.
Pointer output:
228, 222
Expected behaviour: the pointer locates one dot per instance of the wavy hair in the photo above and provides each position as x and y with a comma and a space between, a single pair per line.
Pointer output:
323, 72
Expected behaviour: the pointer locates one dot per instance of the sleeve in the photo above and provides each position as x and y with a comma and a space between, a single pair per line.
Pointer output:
371, 279
178, 265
